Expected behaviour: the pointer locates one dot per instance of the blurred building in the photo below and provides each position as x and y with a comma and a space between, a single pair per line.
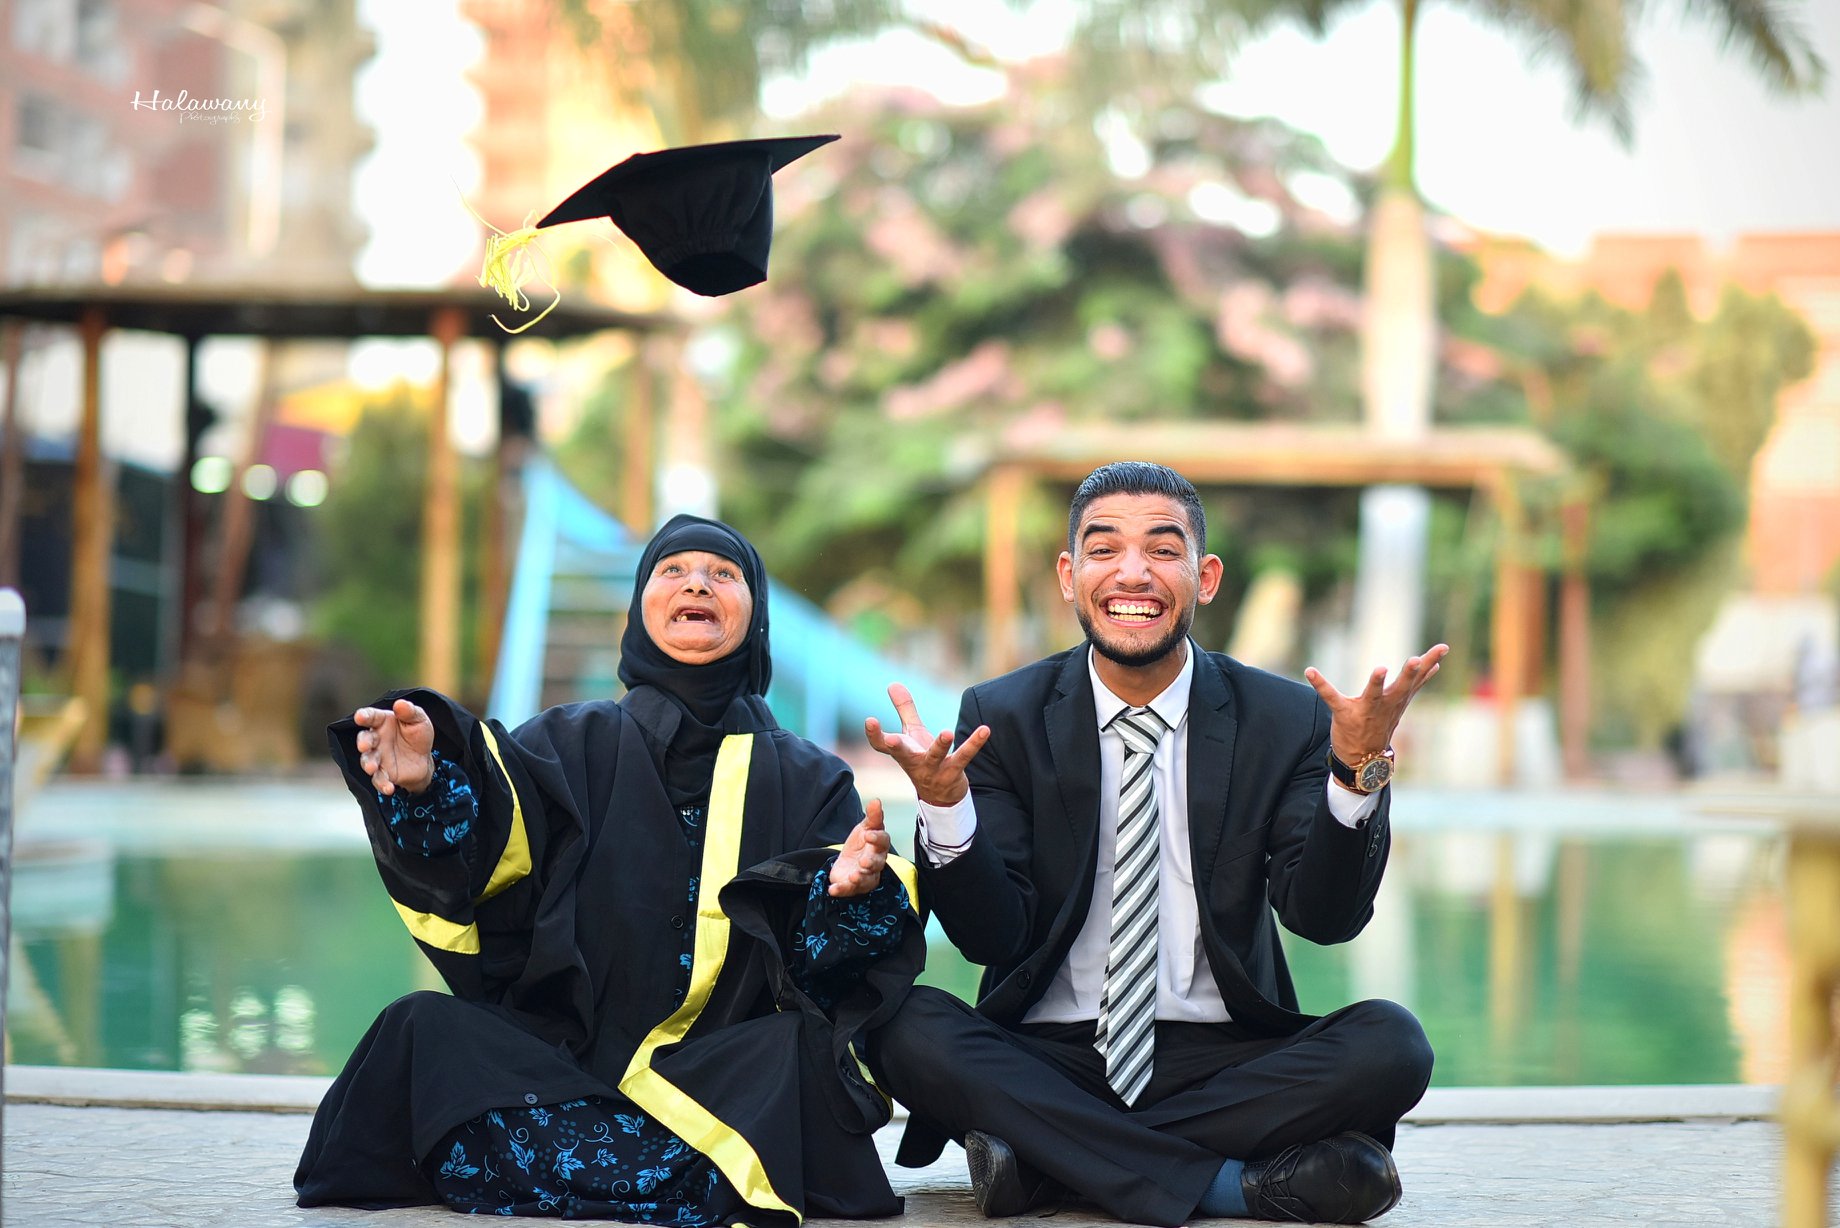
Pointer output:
150, 140
552, 118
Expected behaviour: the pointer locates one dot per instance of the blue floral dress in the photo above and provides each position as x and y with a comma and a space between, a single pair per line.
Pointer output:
601, 1157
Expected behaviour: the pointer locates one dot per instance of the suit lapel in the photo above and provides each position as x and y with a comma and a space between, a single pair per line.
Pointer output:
1072, 722
1212, 728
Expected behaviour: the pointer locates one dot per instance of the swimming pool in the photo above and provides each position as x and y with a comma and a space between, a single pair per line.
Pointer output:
1542, 940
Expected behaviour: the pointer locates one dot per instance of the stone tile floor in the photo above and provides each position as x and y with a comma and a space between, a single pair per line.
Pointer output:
165, 1168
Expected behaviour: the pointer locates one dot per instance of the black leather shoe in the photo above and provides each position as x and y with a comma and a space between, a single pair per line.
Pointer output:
1340, 1180
1003, 1184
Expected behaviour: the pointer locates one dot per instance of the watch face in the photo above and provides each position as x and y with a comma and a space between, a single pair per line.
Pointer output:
1375, 773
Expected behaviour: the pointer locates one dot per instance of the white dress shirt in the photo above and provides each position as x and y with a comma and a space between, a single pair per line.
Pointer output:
1185, 988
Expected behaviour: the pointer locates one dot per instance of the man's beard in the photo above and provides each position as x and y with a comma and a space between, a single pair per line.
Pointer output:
1136, 659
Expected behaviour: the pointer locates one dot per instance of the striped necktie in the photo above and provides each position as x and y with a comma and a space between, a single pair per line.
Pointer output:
1126, 1034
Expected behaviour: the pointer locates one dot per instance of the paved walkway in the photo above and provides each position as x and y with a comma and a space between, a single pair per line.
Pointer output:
164, 1167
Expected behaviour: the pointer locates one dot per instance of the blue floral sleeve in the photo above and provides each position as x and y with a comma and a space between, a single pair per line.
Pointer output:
840, 937
439, 820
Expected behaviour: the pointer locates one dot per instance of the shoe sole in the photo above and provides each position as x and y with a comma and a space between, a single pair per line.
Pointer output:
982, 1161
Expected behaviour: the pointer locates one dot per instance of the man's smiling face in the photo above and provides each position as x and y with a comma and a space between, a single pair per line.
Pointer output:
1135, 576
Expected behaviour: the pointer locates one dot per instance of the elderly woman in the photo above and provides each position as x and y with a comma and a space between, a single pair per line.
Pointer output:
658, 952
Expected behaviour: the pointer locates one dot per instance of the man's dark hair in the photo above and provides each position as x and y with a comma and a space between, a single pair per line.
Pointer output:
1137, 478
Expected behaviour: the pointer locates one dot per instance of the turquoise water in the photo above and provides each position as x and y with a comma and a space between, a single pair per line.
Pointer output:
1531, 958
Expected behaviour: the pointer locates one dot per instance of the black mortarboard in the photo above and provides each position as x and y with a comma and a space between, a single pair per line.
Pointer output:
702, 214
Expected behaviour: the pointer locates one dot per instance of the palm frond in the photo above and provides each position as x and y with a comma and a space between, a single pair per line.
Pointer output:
1771, 31
1121, 40
1591, 39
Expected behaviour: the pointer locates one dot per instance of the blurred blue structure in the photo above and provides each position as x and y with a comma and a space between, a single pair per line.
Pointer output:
569, 593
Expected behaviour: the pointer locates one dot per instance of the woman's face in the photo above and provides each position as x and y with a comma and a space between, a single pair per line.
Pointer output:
697, 606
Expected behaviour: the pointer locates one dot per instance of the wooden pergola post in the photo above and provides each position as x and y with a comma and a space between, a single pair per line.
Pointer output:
1002, 576
91, 536
1575, 641
440, 607
494, 563
641, 442
238, 534
191, 509
1508, 628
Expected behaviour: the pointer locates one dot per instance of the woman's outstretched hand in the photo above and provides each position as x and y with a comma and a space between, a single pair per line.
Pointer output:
858, 869
395, 747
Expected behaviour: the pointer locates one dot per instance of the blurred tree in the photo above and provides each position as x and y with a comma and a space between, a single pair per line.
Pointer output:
369, 544
960, 281
1663, 414
1148, 40
969, 279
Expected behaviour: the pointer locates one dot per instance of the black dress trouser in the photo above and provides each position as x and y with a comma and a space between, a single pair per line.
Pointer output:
1217, 1092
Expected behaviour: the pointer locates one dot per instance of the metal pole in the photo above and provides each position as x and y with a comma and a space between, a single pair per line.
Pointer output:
12, 631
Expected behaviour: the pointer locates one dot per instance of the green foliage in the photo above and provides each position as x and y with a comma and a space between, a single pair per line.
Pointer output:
1662, 414
370, 543
1125, 45
964, 280
592, 458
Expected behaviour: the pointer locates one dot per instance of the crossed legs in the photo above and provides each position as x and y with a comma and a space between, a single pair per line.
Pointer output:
1217, 1093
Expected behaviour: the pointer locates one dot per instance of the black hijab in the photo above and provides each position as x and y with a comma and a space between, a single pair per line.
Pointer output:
687, 709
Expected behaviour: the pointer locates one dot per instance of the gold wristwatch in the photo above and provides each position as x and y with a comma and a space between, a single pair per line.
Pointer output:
1369, 774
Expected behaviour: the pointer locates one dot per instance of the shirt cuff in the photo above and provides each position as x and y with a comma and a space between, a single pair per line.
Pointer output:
1351, 809
945, 831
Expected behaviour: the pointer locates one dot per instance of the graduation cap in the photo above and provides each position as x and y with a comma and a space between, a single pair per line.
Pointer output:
702, 214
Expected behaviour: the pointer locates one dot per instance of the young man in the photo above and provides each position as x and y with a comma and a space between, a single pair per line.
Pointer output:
1111, 839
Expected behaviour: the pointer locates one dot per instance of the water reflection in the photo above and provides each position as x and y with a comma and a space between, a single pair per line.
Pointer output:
1531, 959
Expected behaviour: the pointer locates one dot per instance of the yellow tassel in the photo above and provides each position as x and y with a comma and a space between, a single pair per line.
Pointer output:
513, 259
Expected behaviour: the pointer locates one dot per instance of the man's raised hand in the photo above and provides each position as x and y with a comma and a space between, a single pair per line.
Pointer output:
395, 747
936, 770
1362, 725
858, 869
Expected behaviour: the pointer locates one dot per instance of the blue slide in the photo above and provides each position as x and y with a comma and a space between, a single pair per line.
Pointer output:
569, 594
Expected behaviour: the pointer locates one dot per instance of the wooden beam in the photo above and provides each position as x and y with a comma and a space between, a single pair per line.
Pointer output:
91, 541
440, 606
1008, 485
1274, 454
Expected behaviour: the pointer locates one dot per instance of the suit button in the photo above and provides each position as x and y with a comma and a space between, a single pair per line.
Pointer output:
677, 922
1023, 978
530, 1097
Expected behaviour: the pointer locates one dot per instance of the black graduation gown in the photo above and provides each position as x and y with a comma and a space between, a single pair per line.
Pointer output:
548, 940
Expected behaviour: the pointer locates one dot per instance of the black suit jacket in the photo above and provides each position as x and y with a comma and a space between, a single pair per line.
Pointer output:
1261, 834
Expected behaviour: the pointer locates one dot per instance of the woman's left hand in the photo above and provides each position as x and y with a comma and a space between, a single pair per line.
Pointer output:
858, 869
